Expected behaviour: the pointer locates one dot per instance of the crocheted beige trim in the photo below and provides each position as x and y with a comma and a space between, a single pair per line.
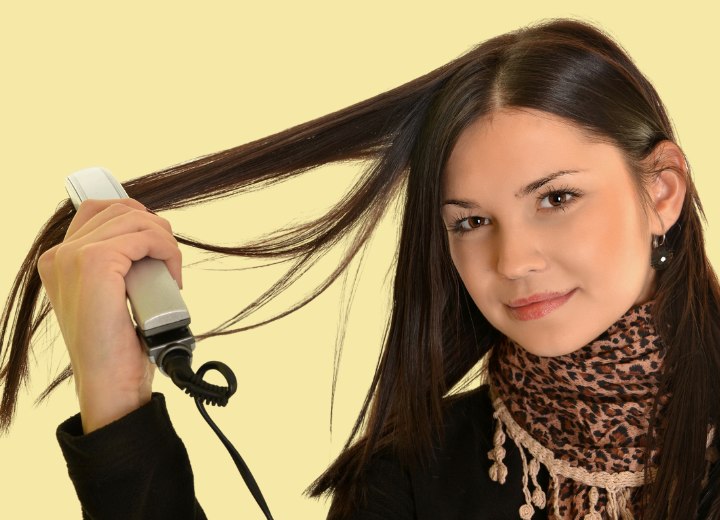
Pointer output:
616, 485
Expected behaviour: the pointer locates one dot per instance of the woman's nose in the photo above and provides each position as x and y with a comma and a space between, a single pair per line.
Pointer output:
519, 254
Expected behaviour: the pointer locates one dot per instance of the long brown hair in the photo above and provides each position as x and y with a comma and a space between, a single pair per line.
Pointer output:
435, 334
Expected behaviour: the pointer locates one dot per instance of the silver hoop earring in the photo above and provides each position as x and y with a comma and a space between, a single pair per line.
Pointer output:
661, 255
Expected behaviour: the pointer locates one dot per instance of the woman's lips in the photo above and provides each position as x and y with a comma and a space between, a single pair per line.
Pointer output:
533, 311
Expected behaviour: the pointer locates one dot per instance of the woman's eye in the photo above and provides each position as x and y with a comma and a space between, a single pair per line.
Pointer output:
476, 222
463, 225
556, 199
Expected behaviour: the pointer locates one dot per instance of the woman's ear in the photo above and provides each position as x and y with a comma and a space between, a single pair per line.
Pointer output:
667, 188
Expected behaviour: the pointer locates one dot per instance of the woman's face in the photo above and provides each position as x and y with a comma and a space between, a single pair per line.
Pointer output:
535, 210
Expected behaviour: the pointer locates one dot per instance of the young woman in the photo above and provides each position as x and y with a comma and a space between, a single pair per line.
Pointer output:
551, 229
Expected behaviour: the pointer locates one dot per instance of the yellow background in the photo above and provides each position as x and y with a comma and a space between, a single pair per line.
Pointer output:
140, 86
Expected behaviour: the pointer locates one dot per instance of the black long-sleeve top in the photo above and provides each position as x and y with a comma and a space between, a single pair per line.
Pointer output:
130, 468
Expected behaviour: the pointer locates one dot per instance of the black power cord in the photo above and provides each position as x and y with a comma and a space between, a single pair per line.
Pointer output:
176, 364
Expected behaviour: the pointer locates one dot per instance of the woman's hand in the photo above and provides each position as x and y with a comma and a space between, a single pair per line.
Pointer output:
84, 277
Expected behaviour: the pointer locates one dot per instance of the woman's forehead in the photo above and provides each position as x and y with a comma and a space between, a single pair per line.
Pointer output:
519, 146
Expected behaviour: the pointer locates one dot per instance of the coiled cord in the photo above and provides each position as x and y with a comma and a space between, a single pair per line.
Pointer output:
176, 364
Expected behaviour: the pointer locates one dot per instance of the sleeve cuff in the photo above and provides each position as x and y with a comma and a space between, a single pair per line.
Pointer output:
140, 433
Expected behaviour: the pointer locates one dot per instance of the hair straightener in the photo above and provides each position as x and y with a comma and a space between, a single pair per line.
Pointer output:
161, 321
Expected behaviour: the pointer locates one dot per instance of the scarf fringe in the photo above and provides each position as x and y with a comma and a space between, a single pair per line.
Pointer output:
615, 485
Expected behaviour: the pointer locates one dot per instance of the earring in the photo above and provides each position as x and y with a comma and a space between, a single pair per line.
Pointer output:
661, 255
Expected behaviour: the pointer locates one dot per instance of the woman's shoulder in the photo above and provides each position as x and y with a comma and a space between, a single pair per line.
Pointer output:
472, 405
457, 482
467, 420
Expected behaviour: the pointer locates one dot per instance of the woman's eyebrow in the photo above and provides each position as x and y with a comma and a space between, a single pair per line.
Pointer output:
536, 185
523, 192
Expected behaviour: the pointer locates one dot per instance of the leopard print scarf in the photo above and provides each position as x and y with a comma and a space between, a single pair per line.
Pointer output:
583, 416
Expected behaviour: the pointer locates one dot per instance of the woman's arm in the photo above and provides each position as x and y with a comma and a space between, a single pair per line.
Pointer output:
123, 456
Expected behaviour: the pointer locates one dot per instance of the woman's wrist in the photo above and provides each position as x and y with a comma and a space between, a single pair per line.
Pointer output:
100, 407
